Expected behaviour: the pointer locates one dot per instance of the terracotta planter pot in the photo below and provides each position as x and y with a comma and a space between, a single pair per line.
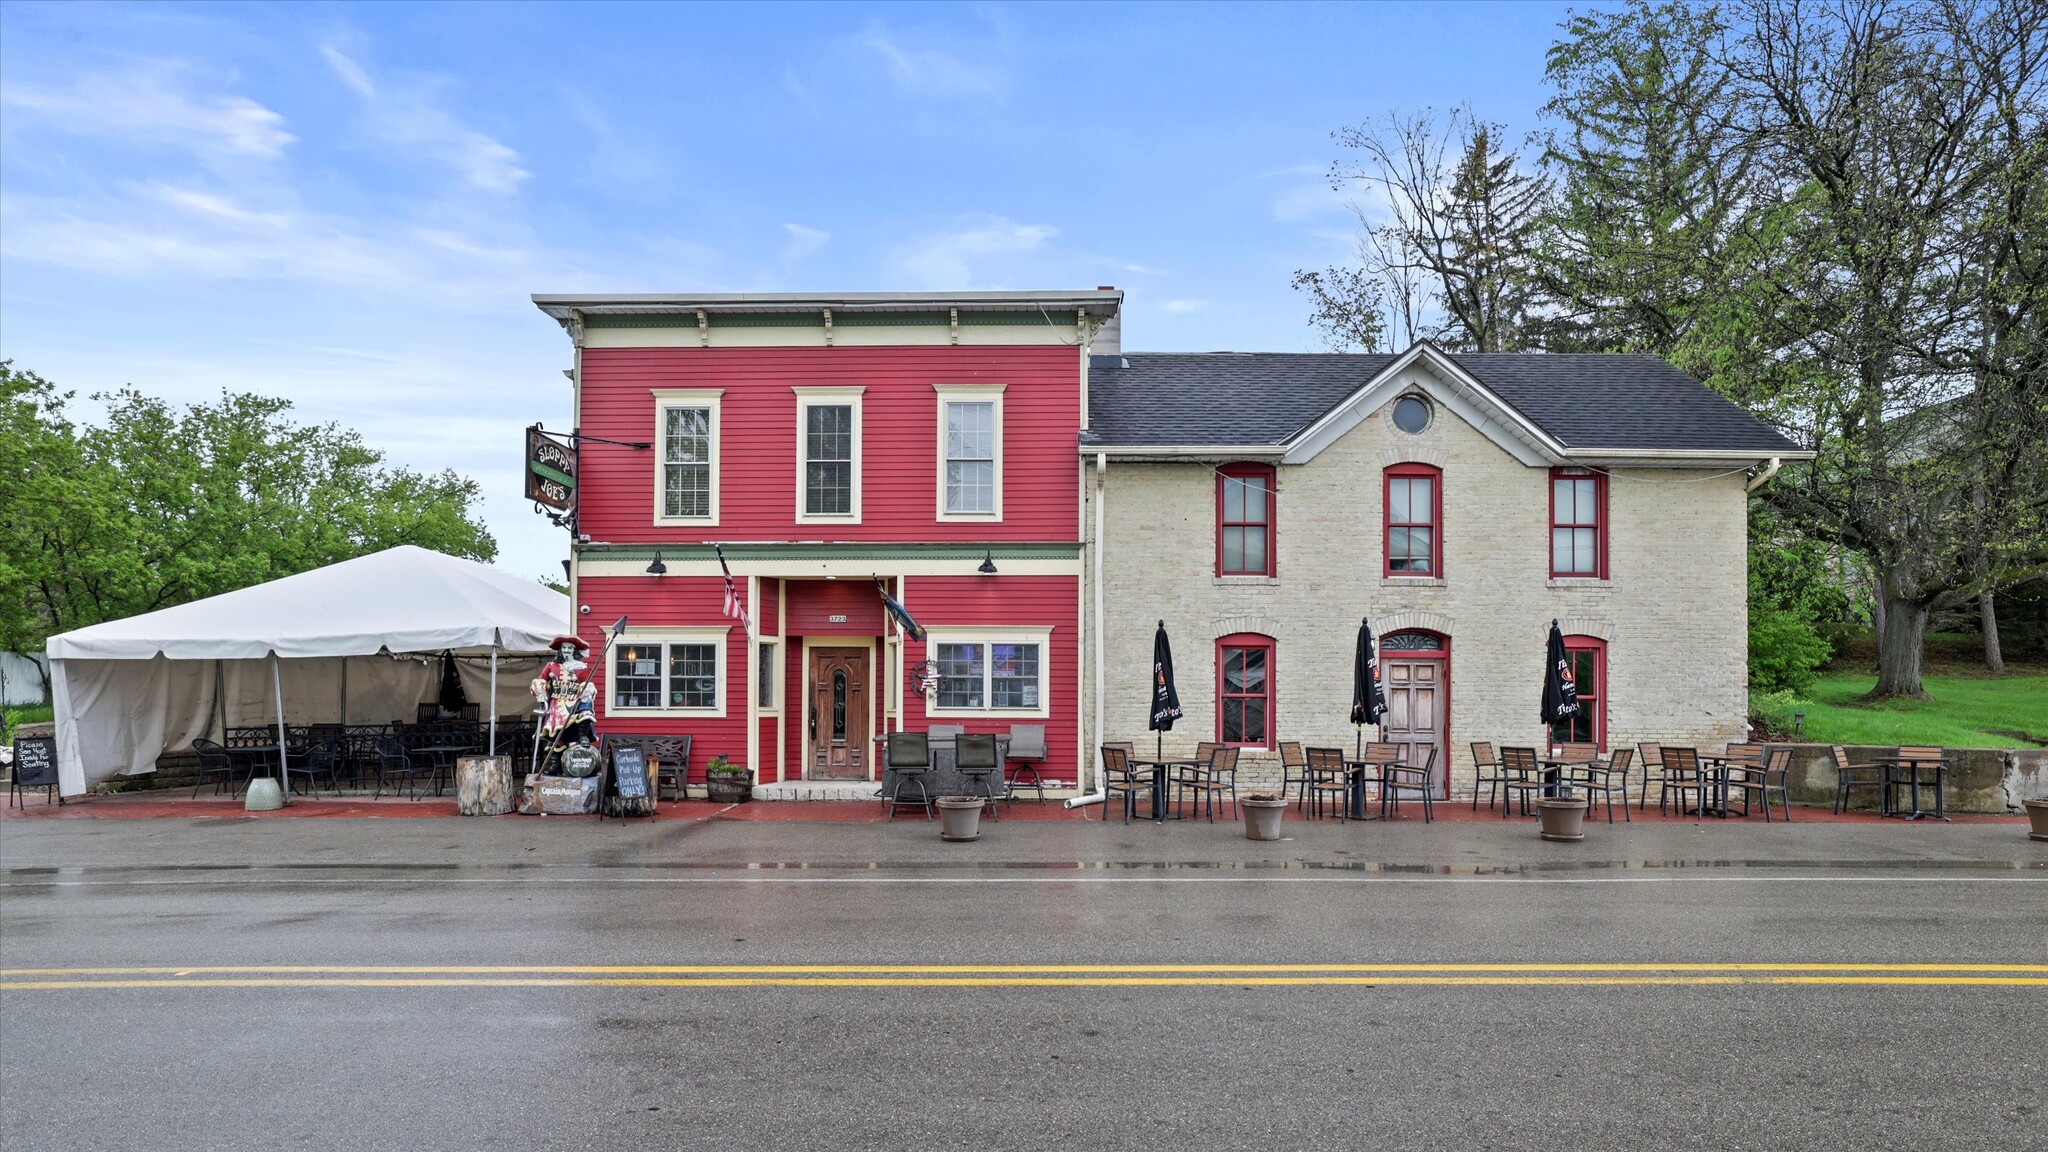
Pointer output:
960, 817
1562, 819
1262, 817
2037, 813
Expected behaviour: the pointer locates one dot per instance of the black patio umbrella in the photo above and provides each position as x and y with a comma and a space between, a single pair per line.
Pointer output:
1560, 690
452, 698
1368, 697
1165, 697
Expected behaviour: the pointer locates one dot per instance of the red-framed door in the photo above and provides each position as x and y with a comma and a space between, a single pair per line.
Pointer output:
1415, 670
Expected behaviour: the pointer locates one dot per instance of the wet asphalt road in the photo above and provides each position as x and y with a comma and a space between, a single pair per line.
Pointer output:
277, 1056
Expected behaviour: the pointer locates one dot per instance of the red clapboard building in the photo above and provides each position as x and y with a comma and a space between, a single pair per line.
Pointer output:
833, 448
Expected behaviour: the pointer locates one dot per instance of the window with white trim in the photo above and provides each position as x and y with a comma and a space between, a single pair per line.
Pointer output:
686, 440
990, 671
766, 674
680, 672
828, 435
970, 451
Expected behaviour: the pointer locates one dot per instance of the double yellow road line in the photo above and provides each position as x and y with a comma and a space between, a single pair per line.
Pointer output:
1009, 975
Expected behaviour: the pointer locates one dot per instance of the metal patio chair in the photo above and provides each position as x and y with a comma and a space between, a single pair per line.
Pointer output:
909, 756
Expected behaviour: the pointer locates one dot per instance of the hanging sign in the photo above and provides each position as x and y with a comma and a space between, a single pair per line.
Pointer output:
550, 471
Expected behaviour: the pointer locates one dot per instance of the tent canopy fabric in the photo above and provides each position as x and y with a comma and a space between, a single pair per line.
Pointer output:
404, 599
128, 691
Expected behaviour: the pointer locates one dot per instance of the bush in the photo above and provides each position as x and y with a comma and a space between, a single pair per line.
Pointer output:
1785, 650
1772, 711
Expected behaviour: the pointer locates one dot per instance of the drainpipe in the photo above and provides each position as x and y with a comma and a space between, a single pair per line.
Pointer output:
1101, 792
1764, 477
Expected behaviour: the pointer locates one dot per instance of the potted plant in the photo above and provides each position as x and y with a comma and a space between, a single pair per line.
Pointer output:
1262, 812
728, 783
960, 817
1564, 817
2037, 815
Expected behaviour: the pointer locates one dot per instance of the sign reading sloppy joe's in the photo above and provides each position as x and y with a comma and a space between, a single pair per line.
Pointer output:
550, 471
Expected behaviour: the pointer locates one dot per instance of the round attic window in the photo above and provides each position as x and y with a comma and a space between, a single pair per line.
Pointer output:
1411, 413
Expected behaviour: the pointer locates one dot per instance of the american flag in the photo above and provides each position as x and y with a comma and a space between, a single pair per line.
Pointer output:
733, 606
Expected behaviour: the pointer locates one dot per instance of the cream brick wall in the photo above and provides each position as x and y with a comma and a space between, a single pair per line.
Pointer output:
1673, 612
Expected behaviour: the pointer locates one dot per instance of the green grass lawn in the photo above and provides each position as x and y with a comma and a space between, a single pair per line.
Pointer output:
1960, 712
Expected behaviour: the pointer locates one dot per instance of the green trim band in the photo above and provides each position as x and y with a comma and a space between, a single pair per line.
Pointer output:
736, 553
541, 469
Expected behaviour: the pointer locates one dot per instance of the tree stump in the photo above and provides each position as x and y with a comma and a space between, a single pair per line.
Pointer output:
483, 785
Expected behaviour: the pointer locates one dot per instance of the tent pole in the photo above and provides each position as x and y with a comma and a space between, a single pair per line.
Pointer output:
220, 701
284, 776
344, 692
493, 749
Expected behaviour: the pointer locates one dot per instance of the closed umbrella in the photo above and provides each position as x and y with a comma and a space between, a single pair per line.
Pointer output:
1368, 698
1165, 697
1560, 690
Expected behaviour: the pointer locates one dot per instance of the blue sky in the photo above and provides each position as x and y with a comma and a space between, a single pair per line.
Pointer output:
349, 205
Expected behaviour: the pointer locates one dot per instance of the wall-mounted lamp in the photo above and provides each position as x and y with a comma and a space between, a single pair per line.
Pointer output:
988, 564
657, 568
565, 570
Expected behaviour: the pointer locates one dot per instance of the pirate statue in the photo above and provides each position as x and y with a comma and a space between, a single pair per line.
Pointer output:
567, 705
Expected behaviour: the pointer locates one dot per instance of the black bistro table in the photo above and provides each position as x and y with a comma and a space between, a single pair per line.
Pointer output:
1910, 767
943, 778
1159, 770
1357, 772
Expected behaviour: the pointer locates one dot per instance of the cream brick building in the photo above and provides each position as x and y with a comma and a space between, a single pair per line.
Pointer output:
1607, 493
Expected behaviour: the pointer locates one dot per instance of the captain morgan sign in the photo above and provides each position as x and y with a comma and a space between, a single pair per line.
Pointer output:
550, 471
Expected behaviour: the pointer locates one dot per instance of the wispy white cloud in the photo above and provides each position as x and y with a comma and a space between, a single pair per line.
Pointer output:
1182, 306
405, 113
802, 242
948, 260
930, 71
150, 105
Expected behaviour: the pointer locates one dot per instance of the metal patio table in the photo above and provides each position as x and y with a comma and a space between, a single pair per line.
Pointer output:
1912, 766
1719, 767
1159, 769
1356, 771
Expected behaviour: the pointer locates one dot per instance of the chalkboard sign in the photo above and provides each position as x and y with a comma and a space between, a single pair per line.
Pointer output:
35, 761
35, 766
629, 770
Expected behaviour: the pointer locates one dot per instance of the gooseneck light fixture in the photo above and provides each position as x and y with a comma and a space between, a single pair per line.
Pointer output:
988, 563
657, 568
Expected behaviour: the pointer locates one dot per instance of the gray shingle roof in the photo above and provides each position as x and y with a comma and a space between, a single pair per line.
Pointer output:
1248, 399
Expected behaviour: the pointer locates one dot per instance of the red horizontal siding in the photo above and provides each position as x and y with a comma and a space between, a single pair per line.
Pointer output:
1019, 601
757, 498
670, 602
813, 603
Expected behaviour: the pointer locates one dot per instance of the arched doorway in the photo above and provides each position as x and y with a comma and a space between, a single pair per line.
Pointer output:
1415, 669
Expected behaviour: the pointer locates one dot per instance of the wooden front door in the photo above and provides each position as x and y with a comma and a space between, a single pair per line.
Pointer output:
838, 715
1416, 707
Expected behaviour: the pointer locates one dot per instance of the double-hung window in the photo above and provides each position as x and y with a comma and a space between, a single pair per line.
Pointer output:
1578, 524
1587, 656
1414, 507
1001, 671
1244, 520
970, 451
686, 472
828, 434
680, 672
1244, 690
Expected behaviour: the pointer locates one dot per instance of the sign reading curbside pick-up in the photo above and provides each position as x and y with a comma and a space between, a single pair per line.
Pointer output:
550, 471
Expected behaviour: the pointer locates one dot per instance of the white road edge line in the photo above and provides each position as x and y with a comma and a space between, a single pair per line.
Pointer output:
446, 881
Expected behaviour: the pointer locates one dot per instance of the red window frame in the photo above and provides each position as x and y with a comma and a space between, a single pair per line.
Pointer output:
1598, 523
1435, 524
1592, 691
1261, 472
1246, 641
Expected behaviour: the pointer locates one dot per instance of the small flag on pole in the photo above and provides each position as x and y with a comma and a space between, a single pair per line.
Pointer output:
733, 605
904, 620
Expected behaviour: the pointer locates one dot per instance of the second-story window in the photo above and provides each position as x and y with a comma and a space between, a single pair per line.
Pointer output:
1414, 515
1578, 524
828, 450
970, 457
970, 451
686, 468
1244, 520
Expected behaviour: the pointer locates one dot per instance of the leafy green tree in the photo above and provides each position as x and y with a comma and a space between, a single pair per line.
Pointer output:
159, 506
1797, 605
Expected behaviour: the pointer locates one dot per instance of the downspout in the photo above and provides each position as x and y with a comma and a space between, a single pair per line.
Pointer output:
1101, 792
1764, 477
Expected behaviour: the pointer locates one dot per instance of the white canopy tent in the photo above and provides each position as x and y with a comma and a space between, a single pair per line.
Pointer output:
352, 642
